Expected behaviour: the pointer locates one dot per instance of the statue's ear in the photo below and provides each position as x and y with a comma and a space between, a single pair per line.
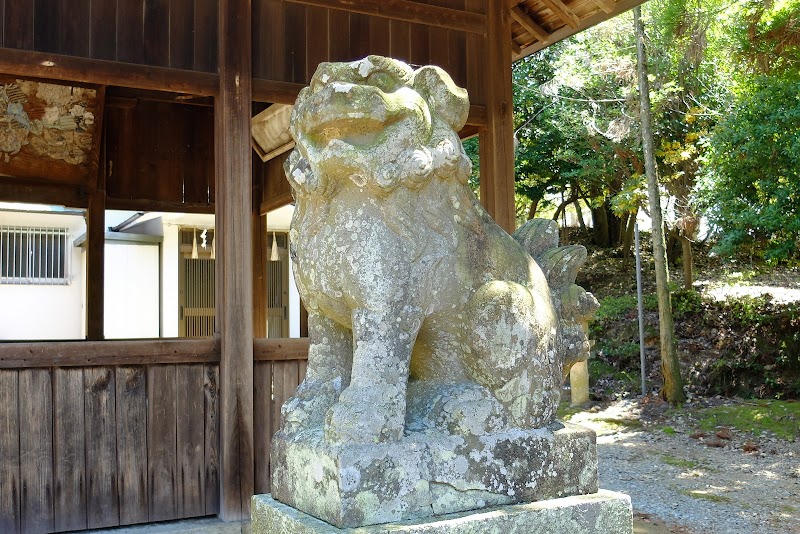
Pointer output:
446, 99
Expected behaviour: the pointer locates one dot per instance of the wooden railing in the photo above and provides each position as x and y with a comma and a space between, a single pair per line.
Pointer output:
107, 433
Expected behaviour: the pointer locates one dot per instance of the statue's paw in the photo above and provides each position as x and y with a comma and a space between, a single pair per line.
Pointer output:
460, 409
364, 421
307, 408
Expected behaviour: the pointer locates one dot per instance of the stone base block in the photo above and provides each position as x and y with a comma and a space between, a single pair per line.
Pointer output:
430, 473
604, 512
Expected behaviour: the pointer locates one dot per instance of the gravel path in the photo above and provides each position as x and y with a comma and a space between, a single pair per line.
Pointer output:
693, 487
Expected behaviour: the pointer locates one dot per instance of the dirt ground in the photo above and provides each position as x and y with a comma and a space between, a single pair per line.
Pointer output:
689, 482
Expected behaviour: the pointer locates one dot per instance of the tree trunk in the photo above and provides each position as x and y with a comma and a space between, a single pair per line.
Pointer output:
623, 227
600, 227
673, 240
673, 385
562, 208
686, 255
532, 209
579, 213
614, 225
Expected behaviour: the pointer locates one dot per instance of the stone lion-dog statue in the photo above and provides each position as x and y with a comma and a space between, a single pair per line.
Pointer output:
423, 312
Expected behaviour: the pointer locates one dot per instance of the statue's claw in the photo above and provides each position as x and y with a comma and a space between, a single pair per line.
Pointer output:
307, 408
365, 417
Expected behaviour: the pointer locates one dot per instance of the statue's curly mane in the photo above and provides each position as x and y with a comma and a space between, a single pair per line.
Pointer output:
439, 156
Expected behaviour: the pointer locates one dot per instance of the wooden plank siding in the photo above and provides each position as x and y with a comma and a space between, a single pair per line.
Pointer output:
115, 444
178, 34
291, 39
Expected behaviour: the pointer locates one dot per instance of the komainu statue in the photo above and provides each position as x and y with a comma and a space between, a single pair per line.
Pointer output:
434, 333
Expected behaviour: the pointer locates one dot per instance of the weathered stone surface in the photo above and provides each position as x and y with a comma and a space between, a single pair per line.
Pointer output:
402, 271
605, 512
438, 342
430, 473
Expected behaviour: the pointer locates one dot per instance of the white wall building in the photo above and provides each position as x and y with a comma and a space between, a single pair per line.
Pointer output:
159, 275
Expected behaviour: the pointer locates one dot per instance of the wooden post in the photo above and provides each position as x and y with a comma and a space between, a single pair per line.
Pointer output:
497, 139
259, 254
233, 181
95, 262
96, 228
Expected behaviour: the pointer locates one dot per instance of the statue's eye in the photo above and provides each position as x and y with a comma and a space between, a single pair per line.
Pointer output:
383, 81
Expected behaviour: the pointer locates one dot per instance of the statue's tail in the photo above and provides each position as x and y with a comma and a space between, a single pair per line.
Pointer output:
575, 306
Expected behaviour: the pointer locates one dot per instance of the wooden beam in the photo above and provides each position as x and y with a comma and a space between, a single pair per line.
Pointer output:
44, 354
17, 190
468, 132
529, 24
497, 139
126, 96
619, 7
107, 353
561, 11
142, 204
607, 6
478, 116
280, 349
274, 203
404, 10
101, 72
516, 50
233, 179
275, 92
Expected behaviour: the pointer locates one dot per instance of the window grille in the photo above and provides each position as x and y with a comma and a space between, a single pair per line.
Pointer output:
33, 255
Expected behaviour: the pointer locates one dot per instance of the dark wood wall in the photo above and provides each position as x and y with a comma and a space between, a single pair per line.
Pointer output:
180, 34
104, 446
158, 151
290, 40
96, 435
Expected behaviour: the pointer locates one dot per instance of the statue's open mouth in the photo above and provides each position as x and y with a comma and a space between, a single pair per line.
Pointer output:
353, 114
355, 131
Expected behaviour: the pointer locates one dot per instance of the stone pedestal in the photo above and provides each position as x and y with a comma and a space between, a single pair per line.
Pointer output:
604, 512
430, 473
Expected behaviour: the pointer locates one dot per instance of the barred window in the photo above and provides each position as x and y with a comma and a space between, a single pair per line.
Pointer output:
33, 255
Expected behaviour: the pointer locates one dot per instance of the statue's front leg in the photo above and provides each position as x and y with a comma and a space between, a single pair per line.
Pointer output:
373, 407
330, 358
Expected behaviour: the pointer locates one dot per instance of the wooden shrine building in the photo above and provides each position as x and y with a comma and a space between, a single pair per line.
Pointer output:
97, 433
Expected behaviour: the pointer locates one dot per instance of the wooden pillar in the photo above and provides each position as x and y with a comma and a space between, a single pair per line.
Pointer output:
259, 254
497, 139
233, 181
95, 264
96, 226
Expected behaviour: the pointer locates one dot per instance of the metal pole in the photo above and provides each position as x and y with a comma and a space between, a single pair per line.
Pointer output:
641, 308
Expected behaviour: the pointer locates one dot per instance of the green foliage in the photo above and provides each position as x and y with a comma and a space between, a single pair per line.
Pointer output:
780, 418
758, 348
619, 350
674, 461
686, 302
751, 190
706, 496
768, 35
616, 307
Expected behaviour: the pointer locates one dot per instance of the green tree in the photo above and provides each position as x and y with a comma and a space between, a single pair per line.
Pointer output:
751, 180
576, 133
751, 191
692, 84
